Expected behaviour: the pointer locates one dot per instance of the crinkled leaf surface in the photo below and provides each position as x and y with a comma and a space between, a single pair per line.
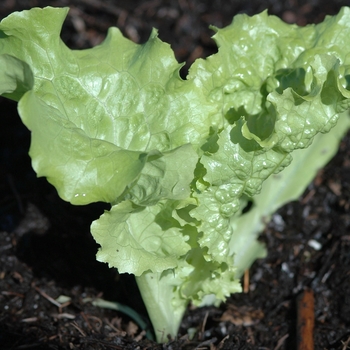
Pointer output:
178, 159
117, 102
138, 239
280, 189
83, 169
275, 89
165, 176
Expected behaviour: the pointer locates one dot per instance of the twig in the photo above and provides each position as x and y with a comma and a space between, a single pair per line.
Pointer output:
308, 197
246, 281
9, 293
75, 325
51, 300
306, 321
203, 324
140, 336
63, 315
206, 343
345, 344
30, 319
281, 342
98, 323
86, 320
222, 342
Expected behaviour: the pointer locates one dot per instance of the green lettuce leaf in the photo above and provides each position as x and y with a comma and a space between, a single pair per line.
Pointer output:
278, 190
137, 239
16, 77
179, 160
276, 90
110, 105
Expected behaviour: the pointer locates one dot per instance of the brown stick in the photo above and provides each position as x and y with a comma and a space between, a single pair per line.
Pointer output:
246, 281
306, 321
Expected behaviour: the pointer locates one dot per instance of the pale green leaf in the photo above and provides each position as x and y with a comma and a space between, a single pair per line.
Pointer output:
179, 159
16, 77
139, 239
165, 176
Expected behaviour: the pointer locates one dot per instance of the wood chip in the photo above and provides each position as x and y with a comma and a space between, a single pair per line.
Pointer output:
242, 316
306, 321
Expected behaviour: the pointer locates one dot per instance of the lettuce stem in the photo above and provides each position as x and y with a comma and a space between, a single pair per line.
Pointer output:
159, 298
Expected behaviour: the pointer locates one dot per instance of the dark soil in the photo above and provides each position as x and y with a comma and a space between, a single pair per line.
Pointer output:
46, 250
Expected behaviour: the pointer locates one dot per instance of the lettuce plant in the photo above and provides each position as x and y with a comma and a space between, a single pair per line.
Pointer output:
179, 160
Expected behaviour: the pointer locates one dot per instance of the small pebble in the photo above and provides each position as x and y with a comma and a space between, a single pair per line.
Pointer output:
314, 244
